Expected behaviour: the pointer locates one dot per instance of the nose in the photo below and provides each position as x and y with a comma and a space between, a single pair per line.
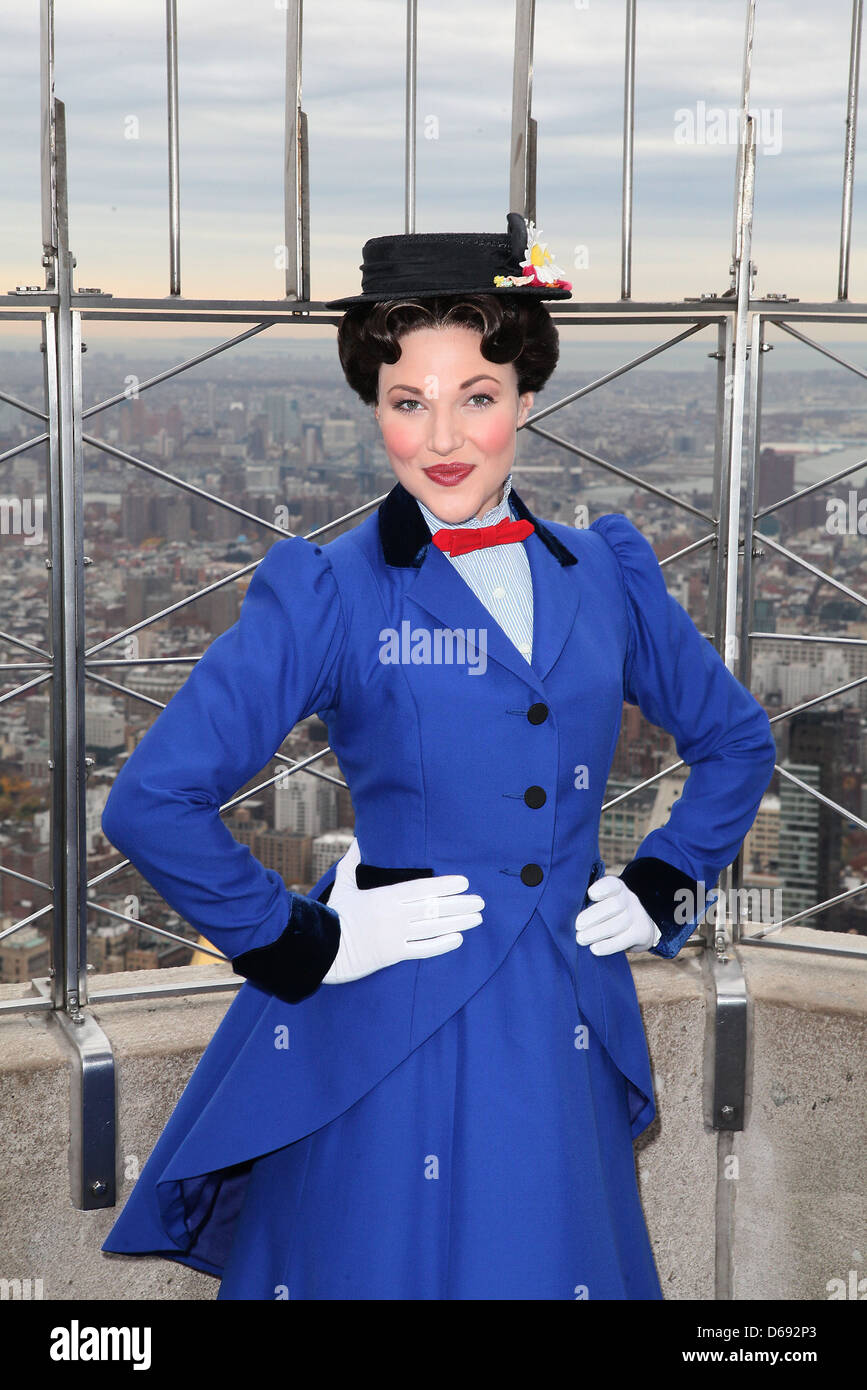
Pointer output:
445, 434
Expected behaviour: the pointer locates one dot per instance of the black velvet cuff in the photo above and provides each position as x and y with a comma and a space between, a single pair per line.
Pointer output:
294, 966
662, 891
377, 876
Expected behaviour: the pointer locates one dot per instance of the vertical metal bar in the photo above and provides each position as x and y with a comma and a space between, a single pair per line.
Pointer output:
754, 444
48, 181
304, 203
725, 1095
174, 152
522, 155
727, 1036
47, 153
750, 485
92, 1105
722, 434
67, 621
724, 1218
532, 132
294, 200
628, 136
849, 156
55, 619
410, 118
729, 531
746, 75
744, 269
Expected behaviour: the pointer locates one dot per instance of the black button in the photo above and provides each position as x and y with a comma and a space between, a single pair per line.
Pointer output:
535, 797
531, 874
538, 713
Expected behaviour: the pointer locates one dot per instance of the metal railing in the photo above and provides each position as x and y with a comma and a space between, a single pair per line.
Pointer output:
737, 322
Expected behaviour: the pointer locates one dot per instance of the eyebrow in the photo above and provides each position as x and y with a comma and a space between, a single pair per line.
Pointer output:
483, 376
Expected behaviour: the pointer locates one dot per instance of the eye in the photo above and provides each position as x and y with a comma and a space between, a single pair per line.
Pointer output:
411, 400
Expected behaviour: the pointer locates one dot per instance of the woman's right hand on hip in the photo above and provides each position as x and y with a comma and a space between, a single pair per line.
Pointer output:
401, 921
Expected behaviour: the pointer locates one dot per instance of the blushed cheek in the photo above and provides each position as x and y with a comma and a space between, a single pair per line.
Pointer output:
400, 440
494, 436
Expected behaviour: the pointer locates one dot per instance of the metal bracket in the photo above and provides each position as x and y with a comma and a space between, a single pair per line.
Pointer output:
92, 1110
726, 1038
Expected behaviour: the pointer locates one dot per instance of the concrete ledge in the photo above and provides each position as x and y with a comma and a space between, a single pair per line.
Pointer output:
799, 1211
800, 1190
157, 1044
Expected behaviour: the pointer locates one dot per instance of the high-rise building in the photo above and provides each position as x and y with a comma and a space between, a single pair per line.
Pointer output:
799, 843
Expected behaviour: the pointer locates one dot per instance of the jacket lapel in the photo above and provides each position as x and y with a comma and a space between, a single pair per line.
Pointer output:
556, 599
440, 590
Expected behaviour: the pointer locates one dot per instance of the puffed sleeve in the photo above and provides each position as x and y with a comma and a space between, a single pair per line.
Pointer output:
277, 664
680, 683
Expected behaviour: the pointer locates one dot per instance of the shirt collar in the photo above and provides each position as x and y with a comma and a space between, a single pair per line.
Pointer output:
500, 512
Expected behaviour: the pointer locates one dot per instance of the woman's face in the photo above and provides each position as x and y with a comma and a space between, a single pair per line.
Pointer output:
448, 418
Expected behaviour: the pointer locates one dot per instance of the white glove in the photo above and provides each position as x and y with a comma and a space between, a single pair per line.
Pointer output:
400, 921
616, 920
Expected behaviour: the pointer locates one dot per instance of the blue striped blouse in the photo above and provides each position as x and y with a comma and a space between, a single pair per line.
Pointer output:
499, 575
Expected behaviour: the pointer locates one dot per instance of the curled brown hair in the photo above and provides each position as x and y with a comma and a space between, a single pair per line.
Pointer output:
513, 329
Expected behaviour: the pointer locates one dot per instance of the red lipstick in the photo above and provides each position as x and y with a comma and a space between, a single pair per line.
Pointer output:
449, 474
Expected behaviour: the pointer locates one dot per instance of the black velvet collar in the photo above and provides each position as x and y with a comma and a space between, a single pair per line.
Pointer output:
405, 535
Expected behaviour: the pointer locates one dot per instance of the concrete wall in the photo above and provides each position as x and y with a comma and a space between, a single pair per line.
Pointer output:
797, 1209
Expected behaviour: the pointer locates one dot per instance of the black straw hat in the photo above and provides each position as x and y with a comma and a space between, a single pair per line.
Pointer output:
424, 264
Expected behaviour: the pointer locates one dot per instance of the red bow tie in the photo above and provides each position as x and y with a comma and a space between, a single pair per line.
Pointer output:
462, 539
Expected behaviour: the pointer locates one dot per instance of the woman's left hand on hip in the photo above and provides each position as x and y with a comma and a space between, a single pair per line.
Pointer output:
616, 920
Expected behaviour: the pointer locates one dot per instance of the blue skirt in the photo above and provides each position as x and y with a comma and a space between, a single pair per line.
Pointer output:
495, 1162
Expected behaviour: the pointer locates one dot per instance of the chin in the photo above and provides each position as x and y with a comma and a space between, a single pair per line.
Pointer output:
450, 505
453, 504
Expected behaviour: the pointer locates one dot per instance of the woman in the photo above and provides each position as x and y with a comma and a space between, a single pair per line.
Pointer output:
429, 1085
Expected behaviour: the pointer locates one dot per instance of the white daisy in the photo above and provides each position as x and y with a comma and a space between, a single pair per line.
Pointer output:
538, 261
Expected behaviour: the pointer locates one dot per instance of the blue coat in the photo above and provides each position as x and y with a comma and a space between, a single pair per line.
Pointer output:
438, 754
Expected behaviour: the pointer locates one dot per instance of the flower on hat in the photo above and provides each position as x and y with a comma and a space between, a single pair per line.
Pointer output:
538, 264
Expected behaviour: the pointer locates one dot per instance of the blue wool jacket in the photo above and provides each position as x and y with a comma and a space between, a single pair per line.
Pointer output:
461, 758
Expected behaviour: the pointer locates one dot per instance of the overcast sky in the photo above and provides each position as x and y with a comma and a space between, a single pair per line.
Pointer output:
111, 75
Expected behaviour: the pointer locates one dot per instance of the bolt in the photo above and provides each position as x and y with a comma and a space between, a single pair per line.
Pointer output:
97, 1186
48, 564
727, 1110
86, 560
